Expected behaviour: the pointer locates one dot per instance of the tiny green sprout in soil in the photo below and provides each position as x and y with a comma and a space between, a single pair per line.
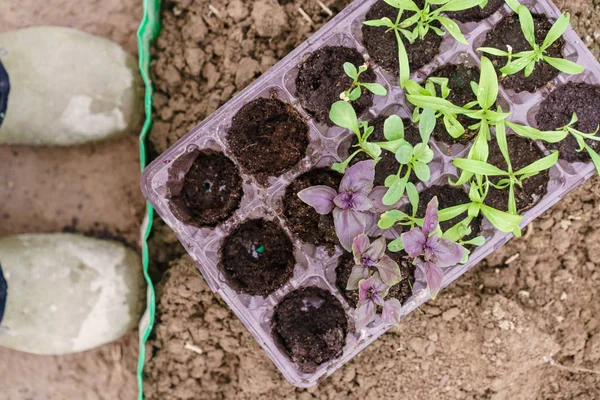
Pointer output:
355, 90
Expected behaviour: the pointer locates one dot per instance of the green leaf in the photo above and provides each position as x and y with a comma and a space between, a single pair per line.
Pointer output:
413, 196
449, 213
535, 134
526, 20
426, 124
558, 28
388, 219
373, 150
403, 4
595, 157
342, 114
395, 192
354, 94
459, 5
502, 144
413, 87
477, 167
488, 84
390, 180
566, 66
375, 88
434, 103
423, 153
513, 4
350, 70
422, 171
539, 165
517, 64
453, 126
453, 29
495, 116
403, 63
393, 128
396, 245
502, 220
404, 153
385, 21
476, 241
339, 167
493, 51
529, 69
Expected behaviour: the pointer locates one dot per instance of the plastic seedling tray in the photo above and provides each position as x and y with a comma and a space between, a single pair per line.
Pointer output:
314, 265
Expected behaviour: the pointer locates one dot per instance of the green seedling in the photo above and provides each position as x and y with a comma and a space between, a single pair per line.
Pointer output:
420, 23
527, 60
396, 217
355, 90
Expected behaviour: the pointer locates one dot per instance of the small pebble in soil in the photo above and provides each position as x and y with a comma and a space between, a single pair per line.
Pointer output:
257, 258
268, 137
311, 325
210, 191
321, 79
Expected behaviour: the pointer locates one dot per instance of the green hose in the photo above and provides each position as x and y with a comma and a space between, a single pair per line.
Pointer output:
147, 33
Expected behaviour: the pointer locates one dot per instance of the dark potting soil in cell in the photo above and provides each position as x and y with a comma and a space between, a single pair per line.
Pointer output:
448, 196
311, 326
476, 13
209, 192
257, 258
382, 46
303, 220
556, 111
387, 165
508, 32
401, 291
268, 137
459, 81
522, 152
321, 79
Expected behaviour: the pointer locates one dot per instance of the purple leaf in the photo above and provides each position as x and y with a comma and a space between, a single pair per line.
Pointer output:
359, 178
389, 271
365, 312
358, 274
348, 225
391, 312
360, 244
444, 252
319, 197
354, 201
376, 196
372, 289
433, 275
430, 222
414, 242
377, 249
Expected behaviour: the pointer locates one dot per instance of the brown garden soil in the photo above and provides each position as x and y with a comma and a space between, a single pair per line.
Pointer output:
91, 189
321, 79
474, 14
508, 32
522, 325
521, 152
382, 45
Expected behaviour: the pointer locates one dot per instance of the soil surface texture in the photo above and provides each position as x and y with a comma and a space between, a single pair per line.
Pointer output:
257, 258
210, 191
476, 13
268, 137
401, 291
303, 220
311, 325
508, 32
459, 82
382, 45
521, 152
321, 79
557, 109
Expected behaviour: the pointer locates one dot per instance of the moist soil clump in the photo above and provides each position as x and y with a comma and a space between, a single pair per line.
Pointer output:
522, 152
401, 291
303, 220
508, 32
311, 325
476, 13
210, 191
268, 137
257, 258
448, 196
387, 165
557, 109
321, 79
381, 44
459, 81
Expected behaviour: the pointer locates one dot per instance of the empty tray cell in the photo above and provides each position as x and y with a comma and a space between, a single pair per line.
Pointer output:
257, 258
321, 79
310, 325
268, 137
204, 188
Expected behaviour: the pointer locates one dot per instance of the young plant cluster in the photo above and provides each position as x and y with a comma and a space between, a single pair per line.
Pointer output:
361, 210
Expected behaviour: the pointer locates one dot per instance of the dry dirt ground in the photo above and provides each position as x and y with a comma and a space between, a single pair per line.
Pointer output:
91, 189
524, 324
